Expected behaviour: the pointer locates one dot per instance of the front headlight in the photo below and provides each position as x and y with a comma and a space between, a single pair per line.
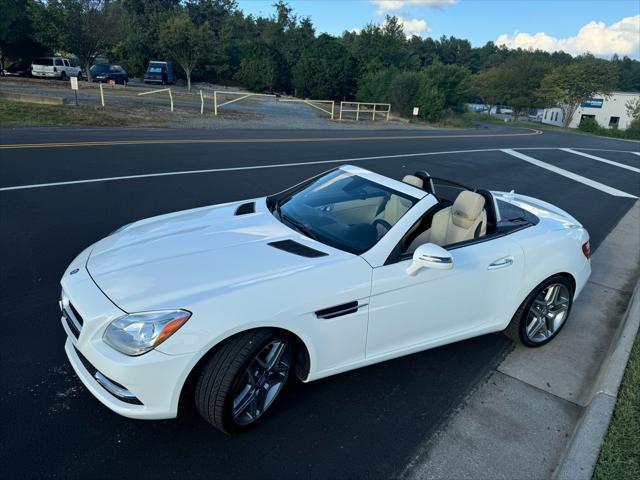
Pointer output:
137, 333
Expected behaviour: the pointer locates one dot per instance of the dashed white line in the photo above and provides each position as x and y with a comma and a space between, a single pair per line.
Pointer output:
566, 173
600, 159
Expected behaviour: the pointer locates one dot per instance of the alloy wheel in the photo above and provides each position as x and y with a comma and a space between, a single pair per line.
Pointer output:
548, 312
262, 381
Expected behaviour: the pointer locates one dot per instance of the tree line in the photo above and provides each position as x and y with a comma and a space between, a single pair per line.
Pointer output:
213, 40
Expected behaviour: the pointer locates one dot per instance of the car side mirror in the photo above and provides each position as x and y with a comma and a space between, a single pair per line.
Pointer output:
430, 255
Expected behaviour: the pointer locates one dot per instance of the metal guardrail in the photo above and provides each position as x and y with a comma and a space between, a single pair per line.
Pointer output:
365, 107
243, 95
312, 103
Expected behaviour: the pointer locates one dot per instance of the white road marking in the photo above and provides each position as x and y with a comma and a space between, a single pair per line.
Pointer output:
600, 159
636, 153
566, 173
234, 169
293, 164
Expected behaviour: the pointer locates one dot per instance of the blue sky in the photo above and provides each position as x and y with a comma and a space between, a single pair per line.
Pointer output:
600, 27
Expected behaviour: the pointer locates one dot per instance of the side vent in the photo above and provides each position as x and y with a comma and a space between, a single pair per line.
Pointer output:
297, 249
246, 208
338, 310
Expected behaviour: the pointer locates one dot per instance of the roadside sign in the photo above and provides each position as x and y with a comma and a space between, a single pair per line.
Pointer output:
415, 111
74, 87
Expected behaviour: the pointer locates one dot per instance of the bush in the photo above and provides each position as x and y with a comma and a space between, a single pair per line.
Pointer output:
589, 125
403, 92
374, 86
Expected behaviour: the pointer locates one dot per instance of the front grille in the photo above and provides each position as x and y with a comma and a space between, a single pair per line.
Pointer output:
71, 316
71, 324
76, 314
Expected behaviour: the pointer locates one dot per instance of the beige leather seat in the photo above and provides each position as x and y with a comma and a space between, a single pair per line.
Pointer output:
397, 206
456, 223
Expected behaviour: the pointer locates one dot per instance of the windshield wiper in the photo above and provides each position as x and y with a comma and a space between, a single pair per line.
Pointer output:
301, 227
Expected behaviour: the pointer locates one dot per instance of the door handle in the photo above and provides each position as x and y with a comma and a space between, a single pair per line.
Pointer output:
501, 263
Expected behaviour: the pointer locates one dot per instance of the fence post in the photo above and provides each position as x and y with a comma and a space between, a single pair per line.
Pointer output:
374, 112
170, 99
358, 112
341, 110
388, 110
333, 105
201, 103
101, 94
215, 102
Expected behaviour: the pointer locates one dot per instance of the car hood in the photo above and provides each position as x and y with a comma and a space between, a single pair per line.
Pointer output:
173, 260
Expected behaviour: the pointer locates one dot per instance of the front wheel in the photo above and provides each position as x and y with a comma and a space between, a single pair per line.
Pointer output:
243, 378
543, 313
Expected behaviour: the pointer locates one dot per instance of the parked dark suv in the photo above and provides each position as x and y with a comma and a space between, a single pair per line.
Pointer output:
103, 72
160, 72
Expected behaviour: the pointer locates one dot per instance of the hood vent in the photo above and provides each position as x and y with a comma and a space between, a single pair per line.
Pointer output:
297, 249
246, 208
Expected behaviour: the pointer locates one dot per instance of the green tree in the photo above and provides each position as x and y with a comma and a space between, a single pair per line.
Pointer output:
489, 87
454, 81
324, 70
403, 91
185, 42
84, 28
521, 78
259, 68
567, 87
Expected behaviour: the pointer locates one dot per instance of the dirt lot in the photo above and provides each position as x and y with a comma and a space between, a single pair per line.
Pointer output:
124, 106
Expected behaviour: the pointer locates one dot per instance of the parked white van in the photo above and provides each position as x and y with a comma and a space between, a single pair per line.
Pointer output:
55, 67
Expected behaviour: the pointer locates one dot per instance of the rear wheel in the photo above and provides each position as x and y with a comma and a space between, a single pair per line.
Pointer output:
243, 378
543, 313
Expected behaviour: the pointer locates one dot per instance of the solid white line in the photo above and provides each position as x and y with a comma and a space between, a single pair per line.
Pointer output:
234, 169
636, 153
566, 173
258, 167
600, 159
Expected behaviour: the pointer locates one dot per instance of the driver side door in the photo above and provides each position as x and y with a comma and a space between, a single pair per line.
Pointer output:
435, 307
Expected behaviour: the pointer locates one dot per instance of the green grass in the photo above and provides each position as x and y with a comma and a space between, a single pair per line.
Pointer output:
620, 453
21, 113
607, 133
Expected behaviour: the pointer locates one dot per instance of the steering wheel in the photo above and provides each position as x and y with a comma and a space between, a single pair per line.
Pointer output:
382, 222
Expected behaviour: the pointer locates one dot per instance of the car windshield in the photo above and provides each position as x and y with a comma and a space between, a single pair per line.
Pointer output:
99, 68
155, 69
342, 209
43, 61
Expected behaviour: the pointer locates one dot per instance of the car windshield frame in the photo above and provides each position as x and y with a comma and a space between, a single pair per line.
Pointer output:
301, 208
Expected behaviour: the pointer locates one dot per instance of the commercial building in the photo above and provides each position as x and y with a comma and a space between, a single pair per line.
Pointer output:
609, 111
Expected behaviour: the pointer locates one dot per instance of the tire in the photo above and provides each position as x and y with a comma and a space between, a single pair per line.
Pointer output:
222, 387
527, 313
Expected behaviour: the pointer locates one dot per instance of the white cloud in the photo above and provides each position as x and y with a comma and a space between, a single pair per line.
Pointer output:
386, 5
597, 38
414, 26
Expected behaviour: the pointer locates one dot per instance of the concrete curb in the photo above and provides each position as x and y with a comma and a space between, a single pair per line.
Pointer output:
581, 455
32, 98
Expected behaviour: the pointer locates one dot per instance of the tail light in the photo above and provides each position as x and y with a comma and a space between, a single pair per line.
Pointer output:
586, 249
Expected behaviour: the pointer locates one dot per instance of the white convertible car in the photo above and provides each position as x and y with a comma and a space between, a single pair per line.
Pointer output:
346, 269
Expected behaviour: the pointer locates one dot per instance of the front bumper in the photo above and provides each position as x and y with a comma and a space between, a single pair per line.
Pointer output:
147, 386
46, 74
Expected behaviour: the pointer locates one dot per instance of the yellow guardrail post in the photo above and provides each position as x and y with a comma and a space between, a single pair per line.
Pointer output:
374, 112
170, 98
333, 108
388, 111
101, 95
159, 91
215, 103
341, 110
201, 103
358, 112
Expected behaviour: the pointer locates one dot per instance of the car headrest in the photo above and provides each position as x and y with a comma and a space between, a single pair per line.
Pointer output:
466, 209
412, 180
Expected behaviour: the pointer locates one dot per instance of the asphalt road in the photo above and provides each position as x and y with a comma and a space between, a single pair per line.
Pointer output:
365, 423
